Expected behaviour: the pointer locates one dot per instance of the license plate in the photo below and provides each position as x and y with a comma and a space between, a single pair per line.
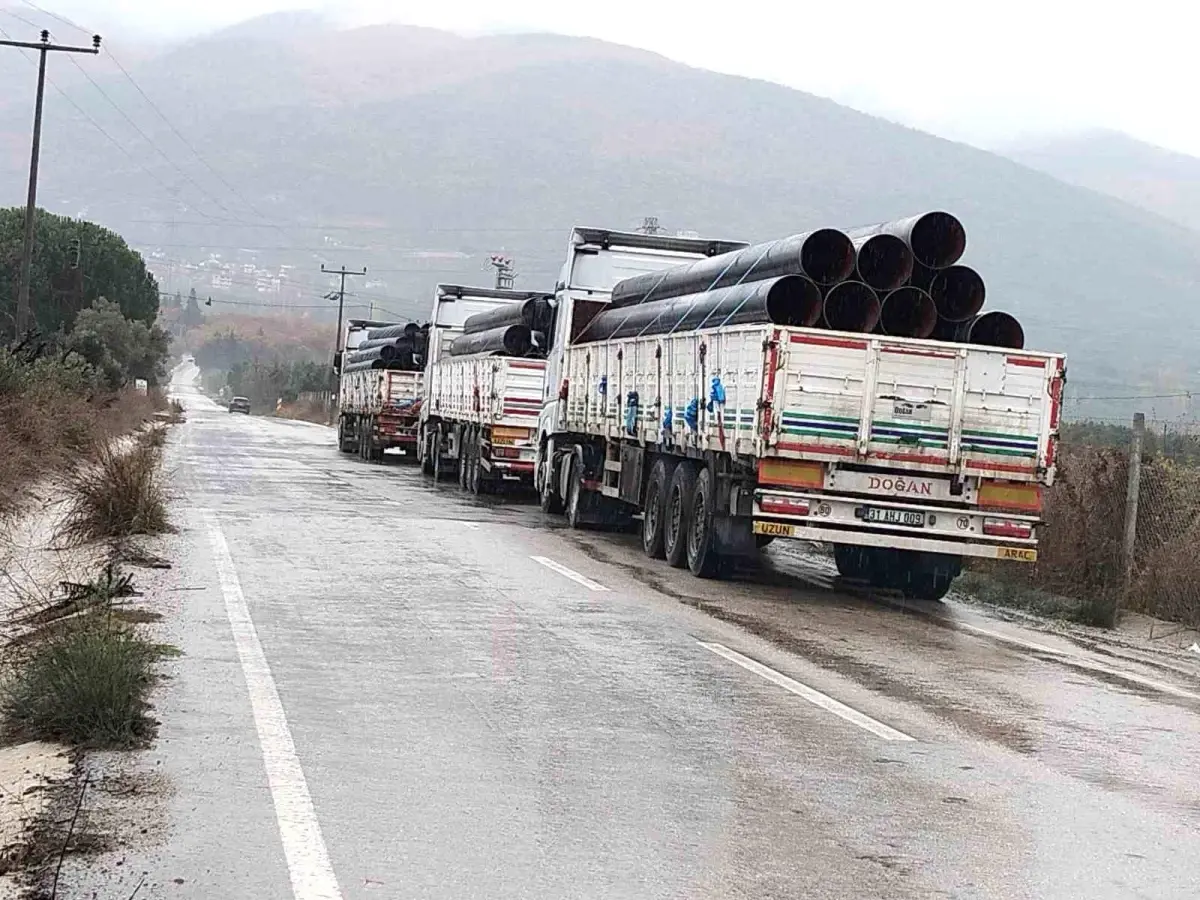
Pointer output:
894, 517
775, 529
1020, 554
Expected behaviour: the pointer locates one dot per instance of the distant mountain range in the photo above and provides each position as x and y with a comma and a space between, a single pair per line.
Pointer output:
408, 145
1161, 181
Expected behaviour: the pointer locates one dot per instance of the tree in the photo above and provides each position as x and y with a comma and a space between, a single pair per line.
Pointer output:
192, 316
120, 349
60, 289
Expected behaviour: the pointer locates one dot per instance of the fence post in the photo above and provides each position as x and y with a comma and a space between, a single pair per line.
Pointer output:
1131, 494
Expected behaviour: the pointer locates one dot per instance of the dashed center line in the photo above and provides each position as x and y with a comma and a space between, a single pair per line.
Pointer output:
568, 573
813, 696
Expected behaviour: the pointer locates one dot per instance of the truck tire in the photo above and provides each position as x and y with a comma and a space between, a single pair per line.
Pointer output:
440, 470
654, 509
677, 520
343, 444
576, 505
548, 498
423, 456
763, 541
928, 576
464, 457
852, 560
703, 557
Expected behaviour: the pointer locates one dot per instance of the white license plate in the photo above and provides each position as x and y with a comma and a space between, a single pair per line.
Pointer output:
894, 517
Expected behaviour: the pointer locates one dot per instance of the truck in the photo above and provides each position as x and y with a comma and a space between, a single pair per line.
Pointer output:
906, 455
378, 409
479, 413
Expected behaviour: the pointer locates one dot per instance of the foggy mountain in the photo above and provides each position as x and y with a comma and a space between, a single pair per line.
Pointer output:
1159, 180
408, 144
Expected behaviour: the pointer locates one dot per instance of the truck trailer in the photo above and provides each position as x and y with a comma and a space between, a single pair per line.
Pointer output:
378, 409
480, 411
905, 454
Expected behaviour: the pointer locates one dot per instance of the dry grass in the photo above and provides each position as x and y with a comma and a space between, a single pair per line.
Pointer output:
1079, 573
119, 494
41, 432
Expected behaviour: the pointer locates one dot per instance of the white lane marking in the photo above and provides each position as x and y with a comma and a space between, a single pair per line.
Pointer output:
474, 526
813, 696
307, 857
1082, 662
569, 573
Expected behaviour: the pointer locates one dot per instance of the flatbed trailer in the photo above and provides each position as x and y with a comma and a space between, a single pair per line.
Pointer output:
479, 412
905, 454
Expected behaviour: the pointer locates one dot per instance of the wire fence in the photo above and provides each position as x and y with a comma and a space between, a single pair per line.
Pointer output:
1082, 545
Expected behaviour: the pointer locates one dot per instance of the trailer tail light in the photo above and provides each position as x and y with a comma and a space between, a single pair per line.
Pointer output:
1006, 528
775, 504
1005, 495
505, 452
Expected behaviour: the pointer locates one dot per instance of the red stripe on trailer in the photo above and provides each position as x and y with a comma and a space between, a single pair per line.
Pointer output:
525, 365
911, 351
911, 457
1000, 467
1027, 361
845, 343
831, 449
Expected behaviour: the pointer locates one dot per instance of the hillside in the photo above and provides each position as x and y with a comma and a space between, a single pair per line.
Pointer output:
399, 141
1161, 181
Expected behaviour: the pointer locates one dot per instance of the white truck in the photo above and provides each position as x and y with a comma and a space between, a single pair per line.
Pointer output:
905, 454
378, 409
480, 412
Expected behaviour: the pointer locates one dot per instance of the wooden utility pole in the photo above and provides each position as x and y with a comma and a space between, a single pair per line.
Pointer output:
1131, 495
43, 47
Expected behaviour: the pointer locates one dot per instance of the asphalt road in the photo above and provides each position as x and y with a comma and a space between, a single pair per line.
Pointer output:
388, 689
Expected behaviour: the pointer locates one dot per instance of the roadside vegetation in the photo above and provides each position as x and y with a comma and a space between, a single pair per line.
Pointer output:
1079, 574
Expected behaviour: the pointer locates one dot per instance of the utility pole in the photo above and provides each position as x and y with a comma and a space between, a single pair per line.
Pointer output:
341, 299
43, 47
505, 273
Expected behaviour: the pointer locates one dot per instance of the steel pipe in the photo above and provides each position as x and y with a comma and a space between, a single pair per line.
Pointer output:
937, 239
993, 329
826, 256
395, 331
958, 292
792, 300
851, 306
908, 312
513, 340
883, 261
533, 312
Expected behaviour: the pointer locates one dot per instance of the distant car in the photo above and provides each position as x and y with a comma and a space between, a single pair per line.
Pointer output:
239, 404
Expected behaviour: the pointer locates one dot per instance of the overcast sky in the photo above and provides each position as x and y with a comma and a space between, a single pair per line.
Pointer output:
982, 72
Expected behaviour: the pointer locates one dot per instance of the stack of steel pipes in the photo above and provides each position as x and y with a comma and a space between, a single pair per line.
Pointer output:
516, 329
400, 347
897, 278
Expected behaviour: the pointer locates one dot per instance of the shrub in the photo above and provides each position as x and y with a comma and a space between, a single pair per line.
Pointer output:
85, 685
119, 495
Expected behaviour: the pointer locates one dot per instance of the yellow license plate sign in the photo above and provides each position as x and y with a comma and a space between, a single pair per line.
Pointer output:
1020, 554
775, 529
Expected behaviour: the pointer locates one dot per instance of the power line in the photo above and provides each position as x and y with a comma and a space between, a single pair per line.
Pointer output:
148, 140
170, 190
55, 16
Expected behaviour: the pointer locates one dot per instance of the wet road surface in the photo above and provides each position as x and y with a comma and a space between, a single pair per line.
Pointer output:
388, 689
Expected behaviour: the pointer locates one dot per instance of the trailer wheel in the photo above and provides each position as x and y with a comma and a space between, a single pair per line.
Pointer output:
476, 483
703, 558
654, 510
763, 541
464, 457
925, 576
852, 561
548, 497
343, 444
677, 520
